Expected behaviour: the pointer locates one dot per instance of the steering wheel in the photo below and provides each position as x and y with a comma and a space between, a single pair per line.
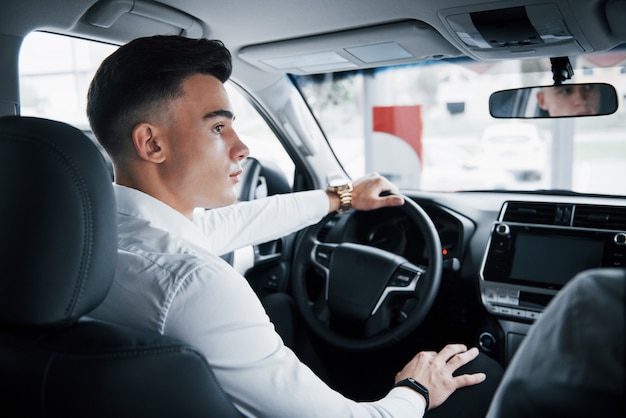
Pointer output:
368, 298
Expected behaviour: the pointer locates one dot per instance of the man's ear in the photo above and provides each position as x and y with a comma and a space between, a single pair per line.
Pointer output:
541, 100
148, 143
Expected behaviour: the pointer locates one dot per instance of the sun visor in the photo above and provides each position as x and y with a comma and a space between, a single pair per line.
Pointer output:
616, 17
394, 43
120, 20
515, 32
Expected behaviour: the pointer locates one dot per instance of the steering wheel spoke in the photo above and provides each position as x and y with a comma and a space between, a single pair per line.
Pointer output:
403, 282
321, 254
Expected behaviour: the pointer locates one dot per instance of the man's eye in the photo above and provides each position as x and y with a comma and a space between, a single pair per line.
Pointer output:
218, 128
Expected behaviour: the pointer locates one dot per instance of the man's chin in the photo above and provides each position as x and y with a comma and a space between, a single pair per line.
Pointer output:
220, 202
230, 199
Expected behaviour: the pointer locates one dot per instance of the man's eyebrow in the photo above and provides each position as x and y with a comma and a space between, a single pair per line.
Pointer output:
217, 113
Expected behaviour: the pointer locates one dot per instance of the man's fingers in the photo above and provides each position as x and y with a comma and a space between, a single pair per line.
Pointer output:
461, 358
373, 192
449, 351
469, 379
391, 200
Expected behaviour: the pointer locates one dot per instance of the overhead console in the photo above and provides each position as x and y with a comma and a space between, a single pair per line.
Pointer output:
535, 248
537, 28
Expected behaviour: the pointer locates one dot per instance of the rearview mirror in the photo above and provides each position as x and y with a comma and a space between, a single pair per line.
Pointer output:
566, 100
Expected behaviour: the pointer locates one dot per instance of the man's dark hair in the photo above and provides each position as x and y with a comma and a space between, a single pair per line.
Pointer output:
136, 82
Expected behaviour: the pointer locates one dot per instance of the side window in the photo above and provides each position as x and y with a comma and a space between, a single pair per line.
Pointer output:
257, 135
55, 72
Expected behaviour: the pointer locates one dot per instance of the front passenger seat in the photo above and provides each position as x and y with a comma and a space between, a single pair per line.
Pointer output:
58, 247
572, 362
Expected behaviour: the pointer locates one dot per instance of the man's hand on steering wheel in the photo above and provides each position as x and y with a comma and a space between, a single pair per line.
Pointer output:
366, 194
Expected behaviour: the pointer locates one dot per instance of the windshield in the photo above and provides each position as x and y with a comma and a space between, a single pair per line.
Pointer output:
428, 127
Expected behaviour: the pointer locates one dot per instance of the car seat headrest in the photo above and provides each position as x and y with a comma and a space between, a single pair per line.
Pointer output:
57, 223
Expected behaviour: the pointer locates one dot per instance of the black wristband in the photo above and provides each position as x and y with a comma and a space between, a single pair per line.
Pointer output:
416, 386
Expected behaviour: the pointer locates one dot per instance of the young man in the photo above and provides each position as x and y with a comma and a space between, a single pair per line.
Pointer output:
159, 107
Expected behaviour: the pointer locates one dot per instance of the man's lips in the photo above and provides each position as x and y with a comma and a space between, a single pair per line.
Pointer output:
235, 174
584, 110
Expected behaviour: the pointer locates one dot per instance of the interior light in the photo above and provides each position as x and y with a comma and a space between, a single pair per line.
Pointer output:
387, 51
306, 60
328, 67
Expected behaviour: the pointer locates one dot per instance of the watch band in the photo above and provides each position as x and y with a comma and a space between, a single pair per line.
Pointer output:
416, 386
344, 192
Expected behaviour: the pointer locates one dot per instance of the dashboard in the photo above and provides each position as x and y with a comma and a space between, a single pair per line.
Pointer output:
506, 255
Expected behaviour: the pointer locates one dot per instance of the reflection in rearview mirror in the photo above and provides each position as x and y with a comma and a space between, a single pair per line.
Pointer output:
566, 100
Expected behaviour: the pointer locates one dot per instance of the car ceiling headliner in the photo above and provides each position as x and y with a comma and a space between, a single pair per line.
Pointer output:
239, 23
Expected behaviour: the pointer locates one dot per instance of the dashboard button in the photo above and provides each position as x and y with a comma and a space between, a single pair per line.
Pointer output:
518, 313
505, 311
532, 315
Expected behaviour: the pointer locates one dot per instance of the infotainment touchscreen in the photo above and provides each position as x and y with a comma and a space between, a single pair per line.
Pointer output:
527, 263
552, 260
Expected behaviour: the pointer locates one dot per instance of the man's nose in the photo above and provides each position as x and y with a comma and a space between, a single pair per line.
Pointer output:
582, 94
240, 150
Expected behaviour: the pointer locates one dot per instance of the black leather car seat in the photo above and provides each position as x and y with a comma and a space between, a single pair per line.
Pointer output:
58, 248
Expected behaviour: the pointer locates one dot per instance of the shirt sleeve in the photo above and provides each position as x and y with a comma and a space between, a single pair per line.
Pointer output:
216, 310
261, 220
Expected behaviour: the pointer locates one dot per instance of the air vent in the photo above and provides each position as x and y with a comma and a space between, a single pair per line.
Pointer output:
600, 217
537, 213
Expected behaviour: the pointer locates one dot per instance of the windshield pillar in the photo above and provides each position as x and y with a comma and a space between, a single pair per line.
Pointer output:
562, 154
368, 119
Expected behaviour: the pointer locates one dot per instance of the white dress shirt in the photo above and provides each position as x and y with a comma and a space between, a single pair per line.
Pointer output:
170, 279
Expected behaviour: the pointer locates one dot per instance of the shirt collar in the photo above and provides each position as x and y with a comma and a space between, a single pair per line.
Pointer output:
137, 204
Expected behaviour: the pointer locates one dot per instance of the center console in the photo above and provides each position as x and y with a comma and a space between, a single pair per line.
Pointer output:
535, 248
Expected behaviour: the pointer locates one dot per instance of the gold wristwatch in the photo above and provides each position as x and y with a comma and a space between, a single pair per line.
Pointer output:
343, 189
